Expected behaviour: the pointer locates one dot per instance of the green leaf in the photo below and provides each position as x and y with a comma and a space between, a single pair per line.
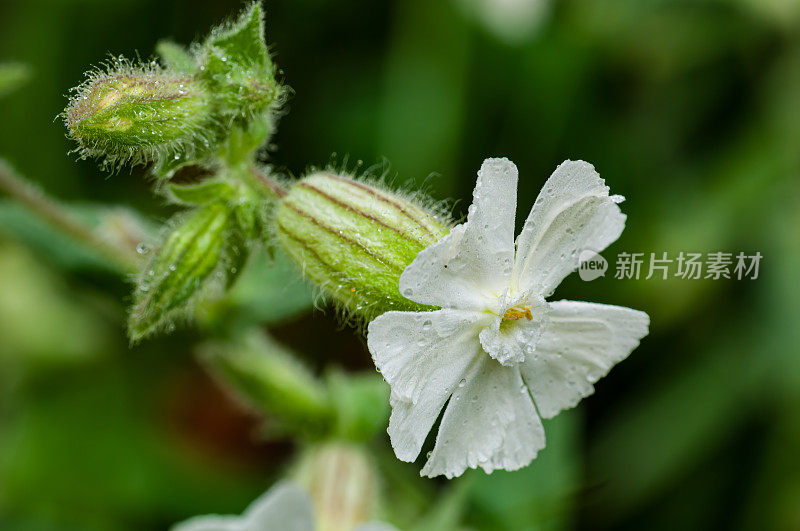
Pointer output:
203, 193
115, 224
12, 76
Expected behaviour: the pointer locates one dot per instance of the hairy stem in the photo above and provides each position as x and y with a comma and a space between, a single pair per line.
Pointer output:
16, 186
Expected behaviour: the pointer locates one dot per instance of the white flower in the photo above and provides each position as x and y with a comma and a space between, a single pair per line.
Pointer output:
496, 347
284, 507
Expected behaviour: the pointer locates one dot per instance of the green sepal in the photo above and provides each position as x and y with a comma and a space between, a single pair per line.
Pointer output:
178, 275
176, 57
244, 139
237, 251
235, 62
243, 42
205, 192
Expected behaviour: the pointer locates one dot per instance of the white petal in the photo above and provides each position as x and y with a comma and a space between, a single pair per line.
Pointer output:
490, 422
579, 344
572, 213
471, 266
423, 356
284, 506
511, 341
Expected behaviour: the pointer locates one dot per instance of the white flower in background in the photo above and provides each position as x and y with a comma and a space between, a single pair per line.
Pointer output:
284, 507
496, 347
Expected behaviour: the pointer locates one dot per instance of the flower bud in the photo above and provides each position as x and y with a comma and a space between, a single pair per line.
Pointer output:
355, 240
343, 485
179, 273
139, 115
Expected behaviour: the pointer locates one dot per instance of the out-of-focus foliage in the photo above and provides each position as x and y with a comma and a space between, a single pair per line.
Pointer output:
12, 76
691, 109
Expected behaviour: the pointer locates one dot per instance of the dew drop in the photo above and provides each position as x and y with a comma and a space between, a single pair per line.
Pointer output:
426, 325
463, 382
142, 248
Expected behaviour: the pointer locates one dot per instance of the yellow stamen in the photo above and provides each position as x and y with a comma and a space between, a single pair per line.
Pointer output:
519, 312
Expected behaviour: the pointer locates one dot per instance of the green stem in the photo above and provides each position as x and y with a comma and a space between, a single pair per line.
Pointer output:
51, 211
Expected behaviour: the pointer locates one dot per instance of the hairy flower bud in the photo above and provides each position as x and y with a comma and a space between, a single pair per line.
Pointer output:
139, 115
179, 271
355, 240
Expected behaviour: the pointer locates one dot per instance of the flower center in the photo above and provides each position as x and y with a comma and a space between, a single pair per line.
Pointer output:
519, 312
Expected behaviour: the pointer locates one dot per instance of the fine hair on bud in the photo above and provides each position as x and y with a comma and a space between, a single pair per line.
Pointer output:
235, 62
131, 112
201, 256
354, 240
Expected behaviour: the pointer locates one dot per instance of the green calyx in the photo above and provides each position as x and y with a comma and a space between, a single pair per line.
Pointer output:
355, 240
184, 112
138, 115
203, 254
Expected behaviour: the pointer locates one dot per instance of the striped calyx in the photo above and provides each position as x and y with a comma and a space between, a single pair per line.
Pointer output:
355, 240
138, 115
182, 269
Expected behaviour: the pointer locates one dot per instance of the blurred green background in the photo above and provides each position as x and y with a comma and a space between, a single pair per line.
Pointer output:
691, 109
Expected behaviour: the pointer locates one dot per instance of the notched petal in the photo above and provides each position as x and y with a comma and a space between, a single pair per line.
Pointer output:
490, 422
423, 356
580, 344
471, 266
573, 212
